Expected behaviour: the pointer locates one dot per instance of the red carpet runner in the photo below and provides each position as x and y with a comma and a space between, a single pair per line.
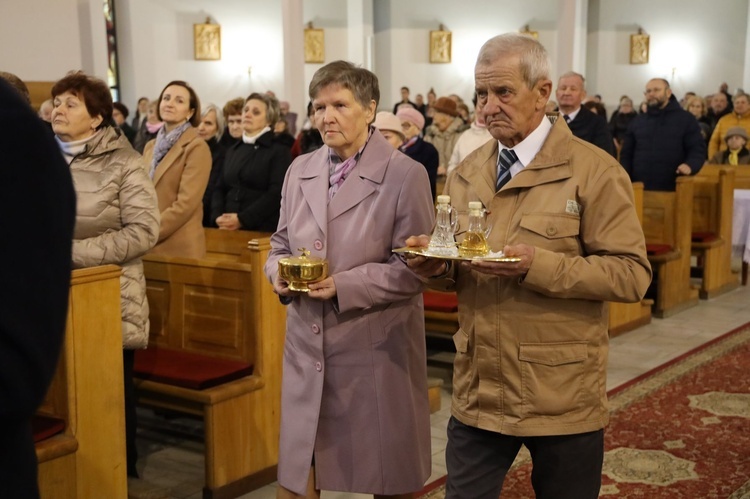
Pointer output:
680, 431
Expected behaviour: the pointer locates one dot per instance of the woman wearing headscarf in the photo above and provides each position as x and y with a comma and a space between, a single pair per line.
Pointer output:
354, 409
117, 218
179, 163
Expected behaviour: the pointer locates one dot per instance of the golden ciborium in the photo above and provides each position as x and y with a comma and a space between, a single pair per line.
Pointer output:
299, 271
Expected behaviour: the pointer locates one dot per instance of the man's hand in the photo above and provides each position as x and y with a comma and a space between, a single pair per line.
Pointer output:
507, 269
423, 266
684, 169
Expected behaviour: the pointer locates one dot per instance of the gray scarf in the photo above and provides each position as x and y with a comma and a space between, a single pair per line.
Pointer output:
164, 142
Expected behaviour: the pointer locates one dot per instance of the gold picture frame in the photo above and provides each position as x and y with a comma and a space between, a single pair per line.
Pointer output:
440, 46
315, 45
207, 41
639, 48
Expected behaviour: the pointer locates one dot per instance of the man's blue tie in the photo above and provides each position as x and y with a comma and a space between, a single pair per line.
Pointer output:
505, 160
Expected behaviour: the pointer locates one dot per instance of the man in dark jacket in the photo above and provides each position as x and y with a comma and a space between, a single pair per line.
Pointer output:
584, 124
662, 143
38, 203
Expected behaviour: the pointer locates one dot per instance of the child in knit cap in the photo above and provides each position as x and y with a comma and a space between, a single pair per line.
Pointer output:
736, 152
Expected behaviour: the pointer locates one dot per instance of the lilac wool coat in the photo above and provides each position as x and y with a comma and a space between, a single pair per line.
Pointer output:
354, 391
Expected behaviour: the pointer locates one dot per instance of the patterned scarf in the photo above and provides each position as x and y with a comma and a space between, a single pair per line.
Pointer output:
164, 142
406, 145
339, 169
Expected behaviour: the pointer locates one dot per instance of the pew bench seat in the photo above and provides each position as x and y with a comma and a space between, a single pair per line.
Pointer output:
187, 369
215, 350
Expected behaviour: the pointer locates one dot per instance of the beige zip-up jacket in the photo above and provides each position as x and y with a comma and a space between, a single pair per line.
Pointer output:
532, 353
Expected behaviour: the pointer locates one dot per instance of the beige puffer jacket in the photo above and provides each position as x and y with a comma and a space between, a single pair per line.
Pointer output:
117, 222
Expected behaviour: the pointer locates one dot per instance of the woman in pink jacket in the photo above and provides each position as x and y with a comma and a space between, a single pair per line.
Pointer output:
354, 413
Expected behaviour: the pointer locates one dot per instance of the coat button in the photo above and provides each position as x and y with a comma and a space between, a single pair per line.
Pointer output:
318, 366
315, 329
551, 231
318, 244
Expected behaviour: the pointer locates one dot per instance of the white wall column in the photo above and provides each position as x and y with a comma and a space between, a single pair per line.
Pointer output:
94, 57
359, 15
571, 36
295, 90
746, 72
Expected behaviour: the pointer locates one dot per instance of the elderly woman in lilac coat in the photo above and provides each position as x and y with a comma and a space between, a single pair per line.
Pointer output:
355, 414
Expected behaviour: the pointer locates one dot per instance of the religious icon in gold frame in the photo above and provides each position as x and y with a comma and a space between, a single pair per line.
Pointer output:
315, 45
639, 48
440, 46
207, 41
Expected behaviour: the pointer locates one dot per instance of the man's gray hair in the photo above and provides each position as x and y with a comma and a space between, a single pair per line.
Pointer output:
571, 74
534, 61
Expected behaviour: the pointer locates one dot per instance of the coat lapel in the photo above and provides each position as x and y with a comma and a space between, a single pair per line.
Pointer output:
314, 185
481, 174
365, 178
174, 153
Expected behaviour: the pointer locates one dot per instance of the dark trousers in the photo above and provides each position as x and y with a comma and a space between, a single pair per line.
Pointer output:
131, 418
564, 467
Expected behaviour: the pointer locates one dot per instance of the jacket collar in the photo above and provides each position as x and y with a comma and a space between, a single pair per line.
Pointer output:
175, 153
552, 163
361, 183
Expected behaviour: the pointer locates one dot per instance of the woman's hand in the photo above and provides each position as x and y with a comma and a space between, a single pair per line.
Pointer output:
229, 221
281, 287
322, 290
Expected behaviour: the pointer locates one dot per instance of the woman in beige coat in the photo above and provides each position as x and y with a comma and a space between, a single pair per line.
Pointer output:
117, 219
179, 162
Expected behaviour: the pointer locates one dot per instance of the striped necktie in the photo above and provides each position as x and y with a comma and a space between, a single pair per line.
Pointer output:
505, 160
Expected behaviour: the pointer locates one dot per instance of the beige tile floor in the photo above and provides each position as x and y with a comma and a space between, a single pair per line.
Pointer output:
171, 451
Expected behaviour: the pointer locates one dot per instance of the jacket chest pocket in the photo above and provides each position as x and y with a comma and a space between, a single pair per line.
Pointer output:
552, 231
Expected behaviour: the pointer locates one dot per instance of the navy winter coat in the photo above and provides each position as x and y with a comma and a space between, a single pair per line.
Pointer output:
659, 141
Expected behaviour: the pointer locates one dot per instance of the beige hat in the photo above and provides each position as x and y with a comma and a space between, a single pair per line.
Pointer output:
385, 120
736, 131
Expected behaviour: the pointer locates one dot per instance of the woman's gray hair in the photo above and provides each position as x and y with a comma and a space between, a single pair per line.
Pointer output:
534, 61
273, 112
219, 119
363, 84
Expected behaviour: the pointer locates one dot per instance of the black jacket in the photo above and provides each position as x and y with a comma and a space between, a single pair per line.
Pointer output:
250, 183
659, 141
217, 160
593, 129
39, 209
425, 153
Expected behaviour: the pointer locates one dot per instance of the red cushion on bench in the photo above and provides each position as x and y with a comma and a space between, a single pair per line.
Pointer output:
44, 427
186, 369
703, 237
658, 249
440, 302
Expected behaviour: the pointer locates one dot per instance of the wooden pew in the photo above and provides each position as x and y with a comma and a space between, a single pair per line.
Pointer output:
741, 174
227, 312
88, 458
667, 225
713, 205
231, 245
741, 181
625, 317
